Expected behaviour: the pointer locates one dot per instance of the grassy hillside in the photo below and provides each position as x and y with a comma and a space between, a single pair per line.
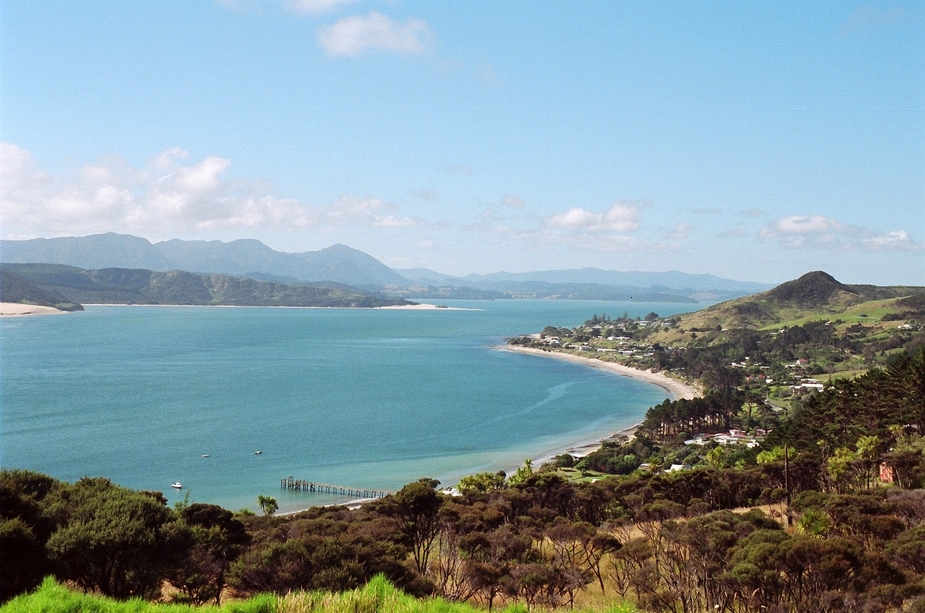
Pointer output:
816, 296
138, 286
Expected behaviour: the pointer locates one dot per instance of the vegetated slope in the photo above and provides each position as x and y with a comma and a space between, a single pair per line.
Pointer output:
138, 286
14, 288
814, 296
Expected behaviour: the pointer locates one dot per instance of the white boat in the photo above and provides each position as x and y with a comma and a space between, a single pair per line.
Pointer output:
177, 485
257, 452
206, 455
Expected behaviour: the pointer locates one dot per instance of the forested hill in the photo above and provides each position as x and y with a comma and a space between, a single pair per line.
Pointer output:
14, 288
138, 286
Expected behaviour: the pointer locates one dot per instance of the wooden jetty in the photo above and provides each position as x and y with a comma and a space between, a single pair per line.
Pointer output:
300, 485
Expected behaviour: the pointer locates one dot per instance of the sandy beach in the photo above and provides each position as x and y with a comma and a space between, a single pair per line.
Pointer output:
13, 309
677, 389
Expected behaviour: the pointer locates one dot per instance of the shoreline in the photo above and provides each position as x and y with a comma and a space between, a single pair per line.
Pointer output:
677, 389
19, 309
402, 307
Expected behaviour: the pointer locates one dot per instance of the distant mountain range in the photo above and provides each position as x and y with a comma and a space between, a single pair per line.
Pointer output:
344, 265
65, 287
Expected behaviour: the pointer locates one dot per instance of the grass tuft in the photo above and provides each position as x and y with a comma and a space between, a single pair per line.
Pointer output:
378, 596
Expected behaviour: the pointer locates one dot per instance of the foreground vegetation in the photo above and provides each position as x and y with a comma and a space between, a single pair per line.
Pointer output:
823, 510
376, 596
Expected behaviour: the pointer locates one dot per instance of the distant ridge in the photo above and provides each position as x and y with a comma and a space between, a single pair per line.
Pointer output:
340, 264
337, 263
141, 286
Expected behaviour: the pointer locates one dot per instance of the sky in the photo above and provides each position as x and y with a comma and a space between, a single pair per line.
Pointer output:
753, 141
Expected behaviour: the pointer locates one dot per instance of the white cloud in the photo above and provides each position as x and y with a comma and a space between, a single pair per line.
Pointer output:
169, 193
819, 232
354, 35
621, 217
737, 232
513, 201
898, 240
680, 231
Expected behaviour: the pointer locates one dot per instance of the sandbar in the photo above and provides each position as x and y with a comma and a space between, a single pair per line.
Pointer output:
12, 309
421, 307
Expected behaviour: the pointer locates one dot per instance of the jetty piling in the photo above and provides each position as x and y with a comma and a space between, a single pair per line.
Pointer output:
301, 485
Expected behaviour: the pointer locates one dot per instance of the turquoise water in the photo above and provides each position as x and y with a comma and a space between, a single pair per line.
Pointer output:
365, 398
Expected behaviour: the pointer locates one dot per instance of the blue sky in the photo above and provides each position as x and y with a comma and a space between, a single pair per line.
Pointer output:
755, 141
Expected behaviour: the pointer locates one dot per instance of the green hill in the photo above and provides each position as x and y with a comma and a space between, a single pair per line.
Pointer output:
14, 288
816, 296
139, 286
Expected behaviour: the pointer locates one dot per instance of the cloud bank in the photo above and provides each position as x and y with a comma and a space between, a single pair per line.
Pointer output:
819, 232
169, 193
621, 217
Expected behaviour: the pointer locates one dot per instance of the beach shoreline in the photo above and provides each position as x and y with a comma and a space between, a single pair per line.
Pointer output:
18, 309
678, 389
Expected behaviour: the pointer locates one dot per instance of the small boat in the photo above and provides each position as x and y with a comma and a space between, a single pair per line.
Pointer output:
177, 485
257, 452
206, 455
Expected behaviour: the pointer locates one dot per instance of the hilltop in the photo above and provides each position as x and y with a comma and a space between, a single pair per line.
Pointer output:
815, 296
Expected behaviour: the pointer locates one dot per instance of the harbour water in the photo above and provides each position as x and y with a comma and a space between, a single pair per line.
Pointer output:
148, 396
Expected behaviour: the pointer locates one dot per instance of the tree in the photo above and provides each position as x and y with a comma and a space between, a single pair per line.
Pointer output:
482, 482
114, 540
218, 539
267, 504
24, 531
522, 473
416, 507
23, 562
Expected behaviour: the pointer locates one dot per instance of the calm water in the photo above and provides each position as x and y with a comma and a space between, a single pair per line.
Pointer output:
369, 398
